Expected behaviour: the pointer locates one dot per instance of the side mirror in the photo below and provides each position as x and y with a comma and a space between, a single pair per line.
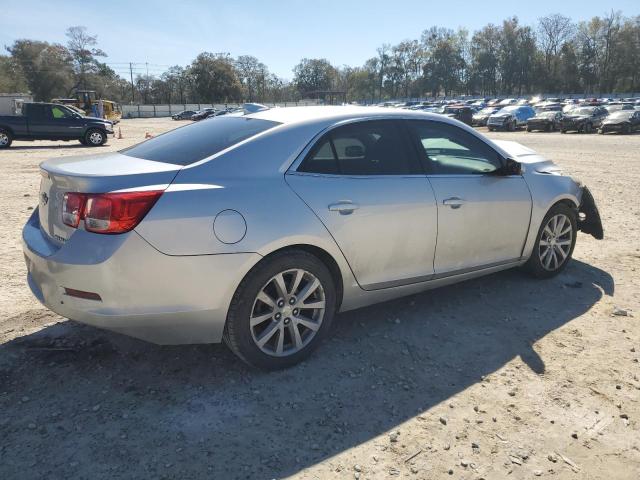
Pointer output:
512, 167
354, 151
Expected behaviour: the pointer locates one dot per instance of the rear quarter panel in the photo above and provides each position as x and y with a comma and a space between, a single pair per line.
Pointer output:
17, 125
250, 180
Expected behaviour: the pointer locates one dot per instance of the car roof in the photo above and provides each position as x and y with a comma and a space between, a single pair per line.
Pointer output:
330, 114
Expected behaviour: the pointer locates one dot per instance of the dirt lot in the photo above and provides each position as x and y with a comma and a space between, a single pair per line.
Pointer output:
501, 377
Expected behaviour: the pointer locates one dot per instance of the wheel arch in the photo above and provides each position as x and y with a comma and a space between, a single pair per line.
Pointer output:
8, 129
321, 254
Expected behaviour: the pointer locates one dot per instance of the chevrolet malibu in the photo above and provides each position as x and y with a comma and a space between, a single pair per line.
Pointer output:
257, 229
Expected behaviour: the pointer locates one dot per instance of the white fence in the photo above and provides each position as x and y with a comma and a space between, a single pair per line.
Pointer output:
150, 111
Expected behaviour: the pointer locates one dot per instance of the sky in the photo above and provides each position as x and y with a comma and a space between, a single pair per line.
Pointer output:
279, 33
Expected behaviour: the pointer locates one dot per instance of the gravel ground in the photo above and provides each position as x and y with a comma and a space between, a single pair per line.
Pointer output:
499, 377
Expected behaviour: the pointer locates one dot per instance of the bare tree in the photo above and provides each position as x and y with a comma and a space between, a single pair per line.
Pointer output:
82, 48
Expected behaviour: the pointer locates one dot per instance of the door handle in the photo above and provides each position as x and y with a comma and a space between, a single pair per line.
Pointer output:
344, 208
453, 202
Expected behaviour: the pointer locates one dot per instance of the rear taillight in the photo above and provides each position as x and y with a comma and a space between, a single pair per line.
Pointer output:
108, 212
72, 208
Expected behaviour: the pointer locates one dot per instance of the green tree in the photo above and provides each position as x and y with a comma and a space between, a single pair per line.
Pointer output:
313, 75
45, 67
11, 78
214, 78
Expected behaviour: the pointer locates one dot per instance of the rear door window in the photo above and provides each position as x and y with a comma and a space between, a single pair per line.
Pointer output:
198, 141
365, 148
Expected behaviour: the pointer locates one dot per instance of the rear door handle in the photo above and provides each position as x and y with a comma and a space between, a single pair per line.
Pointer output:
453, 202
344, 208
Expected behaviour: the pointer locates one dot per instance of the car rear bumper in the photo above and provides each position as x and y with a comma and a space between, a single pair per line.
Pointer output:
143, 293
612, 128
538, 125
572, 125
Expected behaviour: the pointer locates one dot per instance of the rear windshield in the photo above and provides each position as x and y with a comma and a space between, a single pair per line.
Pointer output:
195, 142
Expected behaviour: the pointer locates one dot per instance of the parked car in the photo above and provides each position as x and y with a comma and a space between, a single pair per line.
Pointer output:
615, 107
50, 121
182, 238
622, 121
548, 121
583, 119
462, 113
202, 114
480, 118
548, 107
184, 115
510, 118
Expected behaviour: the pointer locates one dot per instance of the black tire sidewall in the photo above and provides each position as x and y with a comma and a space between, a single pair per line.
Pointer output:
237, 331
8, 134
534, 264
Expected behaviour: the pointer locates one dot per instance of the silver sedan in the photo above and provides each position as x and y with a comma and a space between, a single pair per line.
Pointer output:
256, 229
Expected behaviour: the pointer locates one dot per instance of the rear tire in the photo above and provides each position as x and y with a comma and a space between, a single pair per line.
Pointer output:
95, 137
5, 138
263, 334
554, 242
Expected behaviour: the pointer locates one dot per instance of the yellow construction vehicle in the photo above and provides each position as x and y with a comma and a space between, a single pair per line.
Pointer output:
87, 101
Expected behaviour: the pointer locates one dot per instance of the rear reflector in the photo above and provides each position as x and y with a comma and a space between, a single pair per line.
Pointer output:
81, 294
108, 212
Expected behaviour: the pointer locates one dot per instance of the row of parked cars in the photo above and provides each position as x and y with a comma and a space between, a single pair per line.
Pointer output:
550, 115
197, 115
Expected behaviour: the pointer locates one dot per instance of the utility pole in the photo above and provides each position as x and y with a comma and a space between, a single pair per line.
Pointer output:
146, 84
132, 87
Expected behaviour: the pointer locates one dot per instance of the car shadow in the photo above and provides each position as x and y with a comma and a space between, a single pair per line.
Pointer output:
81, 402
47, 147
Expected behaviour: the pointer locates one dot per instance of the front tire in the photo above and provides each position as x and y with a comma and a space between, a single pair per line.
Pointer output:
95, 138
5, 138
554, 243
281, 311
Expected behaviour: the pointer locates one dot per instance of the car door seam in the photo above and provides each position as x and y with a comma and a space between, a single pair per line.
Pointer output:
325, 227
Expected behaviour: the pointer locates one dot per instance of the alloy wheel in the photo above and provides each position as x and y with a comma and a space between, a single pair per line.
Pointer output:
287, 312
4, 139
95, 138
555, 242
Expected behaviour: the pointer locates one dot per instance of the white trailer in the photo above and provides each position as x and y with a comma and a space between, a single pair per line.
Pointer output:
11, 103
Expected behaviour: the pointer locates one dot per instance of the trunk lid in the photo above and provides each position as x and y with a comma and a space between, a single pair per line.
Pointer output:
94, 174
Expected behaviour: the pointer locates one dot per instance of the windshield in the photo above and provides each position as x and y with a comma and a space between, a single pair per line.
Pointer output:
546, 114
452, 110
510, 109
195, 142
486, 111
